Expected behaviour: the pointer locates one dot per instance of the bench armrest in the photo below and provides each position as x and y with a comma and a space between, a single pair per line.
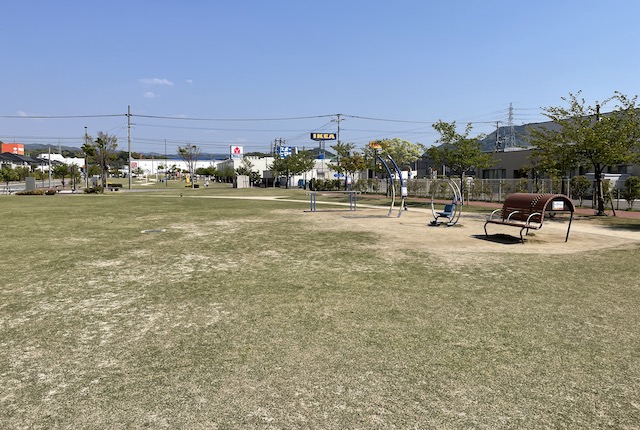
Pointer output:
511, 214
532, 215
493, 213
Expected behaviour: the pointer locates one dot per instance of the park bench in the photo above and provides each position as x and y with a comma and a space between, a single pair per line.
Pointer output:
527, 211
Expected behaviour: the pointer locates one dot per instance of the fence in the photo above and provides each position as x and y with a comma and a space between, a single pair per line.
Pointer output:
491, 190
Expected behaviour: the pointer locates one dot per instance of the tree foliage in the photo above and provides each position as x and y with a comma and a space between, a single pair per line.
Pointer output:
294, 164
580, 187
189, 154
585, 137
459, 152
631, 190
8, 174
61, 171
102, 151
402, 151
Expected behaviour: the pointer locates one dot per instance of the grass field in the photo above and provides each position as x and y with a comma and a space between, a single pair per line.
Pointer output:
151, 310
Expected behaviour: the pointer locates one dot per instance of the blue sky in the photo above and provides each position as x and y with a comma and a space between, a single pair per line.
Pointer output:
247, 72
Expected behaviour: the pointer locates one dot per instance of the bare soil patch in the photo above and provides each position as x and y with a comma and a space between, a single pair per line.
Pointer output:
411, 231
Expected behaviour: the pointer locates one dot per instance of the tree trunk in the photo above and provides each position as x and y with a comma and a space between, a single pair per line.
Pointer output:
599, 192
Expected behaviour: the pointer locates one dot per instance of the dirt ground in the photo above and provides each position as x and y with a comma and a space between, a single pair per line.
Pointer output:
412, 231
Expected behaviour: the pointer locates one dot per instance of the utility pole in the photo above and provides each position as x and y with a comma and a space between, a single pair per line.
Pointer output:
49, 167
129, 142
86, 159
338, 120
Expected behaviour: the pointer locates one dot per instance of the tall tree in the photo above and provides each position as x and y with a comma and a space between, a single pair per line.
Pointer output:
585, 137
189, 154
61, 171
102, 150
343, 151
459, 152
294, 164
402, 151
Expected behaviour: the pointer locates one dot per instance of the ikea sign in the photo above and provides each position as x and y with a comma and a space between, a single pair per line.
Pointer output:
323, 136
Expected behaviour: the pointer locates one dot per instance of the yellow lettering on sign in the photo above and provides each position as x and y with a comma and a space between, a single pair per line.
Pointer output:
323, 136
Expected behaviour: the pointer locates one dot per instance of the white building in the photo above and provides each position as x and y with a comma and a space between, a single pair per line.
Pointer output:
152, 166
69, 161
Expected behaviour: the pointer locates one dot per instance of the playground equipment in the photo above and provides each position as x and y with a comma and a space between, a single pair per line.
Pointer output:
403, 187
452, 211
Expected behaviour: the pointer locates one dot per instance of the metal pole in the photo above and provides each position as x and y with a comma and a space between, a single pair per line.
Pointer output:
129, 142
49, 167
86, 159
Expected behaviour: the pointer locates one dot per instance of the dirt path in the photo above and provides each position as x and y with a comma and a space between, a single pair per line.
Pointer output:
412, 231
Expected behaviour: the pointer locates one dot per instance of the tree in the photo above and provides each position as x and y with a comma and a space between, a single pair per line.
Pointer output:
402, 151
22, 172
343, 151
458, 152
61, 171
355, 162
293, 164
102, 150
631, 190
246, 170
189, 154
584, 137
579, 186
8, 174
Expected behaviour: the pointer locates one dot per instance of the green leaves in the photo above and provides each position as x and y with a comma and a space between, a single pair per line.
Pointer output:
457, 151
583, 136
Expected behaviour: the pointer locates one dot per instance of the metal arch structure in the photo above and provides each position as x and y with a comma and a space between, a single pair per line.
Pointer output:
452, 216
393, 185
403, 187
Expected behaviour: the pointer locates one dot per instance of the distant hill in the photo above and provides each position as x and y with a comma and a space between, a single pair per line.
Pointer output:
521, 134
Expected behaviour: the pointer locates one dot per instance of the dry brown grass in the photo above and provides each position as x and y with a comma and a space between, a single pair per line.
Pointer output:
256, 314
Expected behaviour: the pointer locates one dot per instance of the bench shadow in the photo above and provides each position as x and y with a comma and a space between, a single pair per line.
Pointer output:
504, 239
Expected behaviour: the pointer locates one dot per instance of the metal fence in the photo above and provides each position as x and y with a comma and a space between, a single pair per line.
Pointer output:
491, 190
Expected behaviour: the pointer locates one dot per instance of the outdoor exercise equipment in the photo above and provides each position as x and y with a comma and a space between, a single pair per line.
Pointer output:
452, 211
403, 188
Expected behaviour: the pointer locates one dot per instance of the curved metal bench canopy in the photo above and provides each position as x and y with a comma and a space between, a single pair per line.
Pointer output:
527, 210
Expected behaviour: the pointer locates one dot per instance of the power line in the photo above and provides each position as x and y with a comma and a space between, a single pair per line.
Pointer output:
59, 116
231, 119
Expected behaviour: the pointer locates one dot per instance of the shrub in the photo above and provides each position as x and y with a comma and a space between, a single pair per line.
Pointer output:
30, 193
50, 191
631, 190
94, 190
579, 187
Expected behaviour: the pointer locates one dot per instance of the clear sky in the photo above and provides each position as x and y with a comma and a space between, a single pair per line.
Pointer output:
240, 72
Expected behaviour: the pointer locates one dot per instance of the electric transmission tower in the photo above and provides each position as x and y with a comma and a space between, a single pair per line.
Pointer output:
510, 141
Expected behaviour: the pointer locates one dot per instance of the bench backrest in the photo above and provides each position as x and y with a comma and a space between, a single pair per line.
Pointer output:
526, 204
